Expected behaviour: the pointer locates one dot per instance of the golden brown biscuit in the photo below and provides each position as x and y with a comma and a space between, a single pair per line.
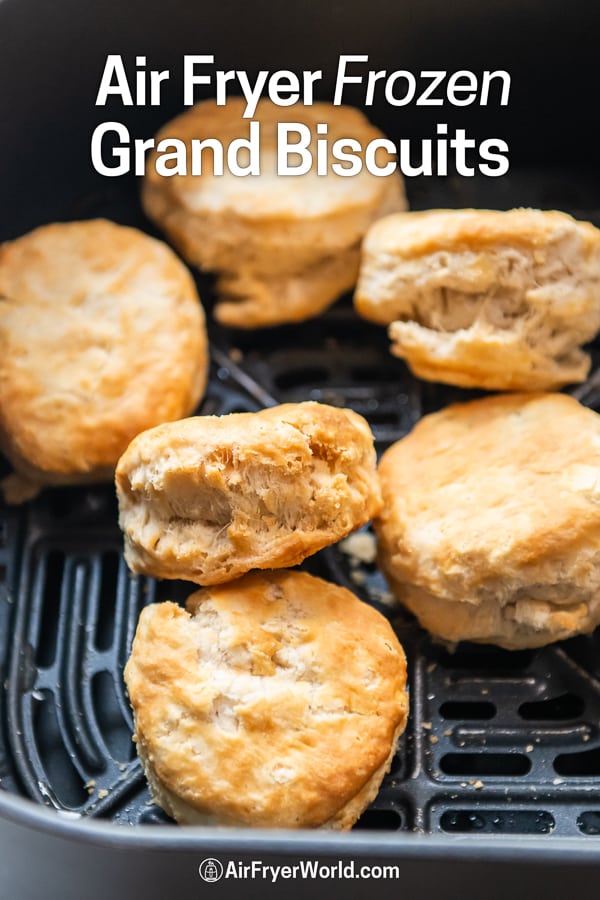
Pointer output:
274, 701
101, 336
490, 529
477, 298
209, 498
283, 247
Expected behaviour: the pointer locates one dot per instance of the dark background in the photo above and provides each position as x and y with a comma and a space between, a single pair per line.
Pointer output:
52, 56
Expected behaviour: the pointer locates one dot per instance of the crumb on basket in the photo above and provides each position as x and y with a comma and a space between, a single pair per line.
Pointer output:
358, 577
360, 547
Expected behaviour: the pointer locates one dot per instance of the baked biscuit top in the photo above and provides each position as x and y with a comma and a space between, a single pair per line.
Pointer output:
272, 701
417, 234
269, 195
101, 336
493, 494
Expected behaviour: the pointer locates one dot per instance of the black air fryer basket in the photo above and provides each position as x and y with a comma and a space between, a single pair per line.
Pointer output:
495, 790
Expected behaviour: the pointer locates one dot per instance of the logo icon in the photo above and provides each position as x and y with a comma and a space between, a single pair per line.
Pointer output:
210, 870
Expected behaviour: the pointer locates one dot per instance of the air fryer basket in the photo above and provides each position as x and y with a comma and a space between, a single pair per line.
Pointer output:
497, 777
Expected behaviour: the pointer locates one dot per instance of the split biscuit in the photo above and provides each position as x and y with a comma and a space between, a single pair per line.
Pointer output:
283, 248
207, 499
275, 701
102, 335
490, 529
478, 298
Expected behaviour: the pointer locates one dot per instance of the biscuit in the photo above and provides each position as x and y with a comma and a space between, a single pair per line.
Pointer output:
274, 701
283, 248
477, 298
208, 498
490, 530
101, 336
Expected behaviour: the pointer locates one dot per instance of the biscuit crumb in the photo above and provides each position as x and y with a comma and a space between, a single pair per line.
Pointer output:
235, 355
447, 732
586, 737
360, 547
102, 794
358, 577
426, 725
478, 785
433, 738
387, 598
528, 748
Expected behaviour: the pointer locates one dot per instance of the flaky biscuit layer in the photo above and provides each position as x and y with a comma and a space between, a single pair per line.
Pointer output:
479, 298
209, 498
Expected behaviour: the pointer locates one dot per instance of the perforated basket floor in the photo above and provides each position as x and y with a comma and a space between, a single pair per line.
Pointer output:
497, 742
